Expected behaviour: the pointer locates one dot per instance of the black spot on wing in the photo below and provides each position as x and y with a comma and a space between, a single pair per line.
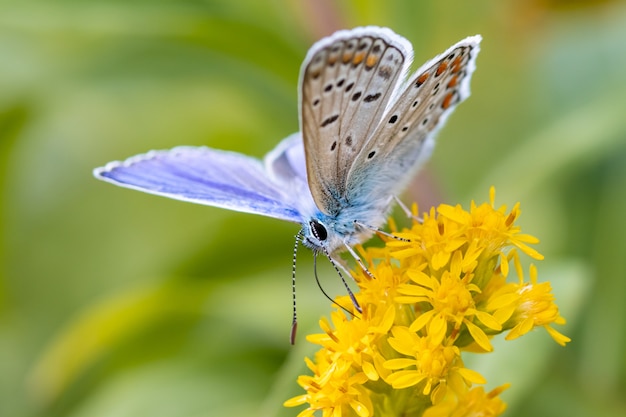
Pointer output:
371, 97
329, 120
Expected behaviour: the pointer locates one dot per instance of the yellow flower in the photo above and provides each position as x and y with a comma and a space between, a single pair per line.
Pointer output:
354, 341
450, 299
472, 403
439, 292
434, 362
535, 307
334, 389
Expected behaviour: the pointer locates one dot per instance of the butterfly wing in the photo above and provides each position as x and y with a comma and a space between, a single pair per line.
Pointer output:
404, 138
285, 162
205, 176
346, 83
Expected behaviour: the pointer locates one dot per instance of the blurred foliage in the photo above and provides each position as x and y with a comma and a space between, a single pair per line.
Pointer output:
116, 303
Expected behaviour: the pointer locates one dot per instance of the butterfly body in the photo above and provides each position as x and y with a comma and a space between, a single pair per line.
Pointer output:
364, 131
325, 232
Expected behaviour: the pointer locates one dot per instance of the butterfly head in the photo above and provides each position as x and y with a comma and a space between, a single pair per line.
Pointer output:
326, 235
330, 234
318, 236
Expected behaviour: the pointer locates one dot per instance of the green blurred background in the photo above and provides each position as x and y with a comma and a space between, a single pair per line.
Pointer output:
117, 303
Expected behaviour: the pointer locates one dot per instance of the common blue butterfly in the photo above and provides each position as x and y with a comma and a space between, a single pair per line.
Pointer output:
364, 131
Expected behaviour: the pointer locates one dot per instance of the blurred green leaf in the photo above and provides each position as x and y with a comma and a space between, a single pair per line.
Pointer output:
576, 141
103, 327
13, 119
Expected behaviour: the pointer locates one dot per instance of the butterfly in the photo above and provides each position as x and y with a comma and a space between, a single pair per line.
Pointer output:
365, 128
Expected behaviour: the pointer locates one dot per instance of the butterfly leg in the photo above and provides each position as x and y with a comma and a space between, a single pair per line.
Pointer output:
382, 232
343, 265
407, 211
358, 259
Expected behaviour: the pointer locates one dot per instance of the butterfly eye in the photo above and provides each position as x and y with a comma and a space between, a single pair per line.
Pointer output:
318, 230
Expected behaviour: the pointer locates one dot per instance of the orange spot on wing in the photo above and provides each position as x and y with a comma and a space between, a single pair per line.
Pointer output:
332, 60
447, 101
358, 58
456, 64
422, 78
441, 68
371, 61
347, 56
453, 81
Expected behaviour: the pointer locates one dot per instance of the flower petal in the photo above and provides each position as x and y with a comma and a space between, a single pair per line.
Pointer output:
479, 336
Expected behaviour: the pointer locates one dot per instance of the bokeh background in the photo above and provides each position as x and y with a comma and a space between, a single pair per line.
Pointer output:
117, 303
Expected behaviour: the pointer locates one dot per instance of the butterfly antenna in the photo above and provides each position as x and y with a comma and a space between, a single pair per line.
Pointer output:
294, 321
317, 280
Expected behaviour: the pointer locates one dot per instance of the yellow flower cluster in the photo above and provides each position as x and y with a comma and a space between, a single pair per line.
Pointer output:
438, 292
